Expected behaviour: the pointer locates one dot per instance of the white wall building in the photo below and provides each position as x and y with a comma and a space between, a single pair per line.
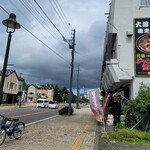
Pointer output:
126, 62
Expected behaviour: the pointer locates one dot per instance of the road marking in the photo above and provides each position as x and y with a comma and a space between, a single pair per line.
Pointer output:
36, 113
81, 137
28, 124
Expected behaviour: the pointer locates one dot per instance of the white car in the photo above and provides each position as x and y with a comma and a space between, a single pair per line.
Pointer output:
42, 103
53, 104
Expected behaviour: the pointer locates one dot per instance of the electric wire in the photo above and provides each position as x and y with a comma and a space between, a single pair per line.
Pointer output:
35, 18
63, 14
48, 18
32, 9
4, 10
57, 10
59, 15
45, 44
39, 14
39, 39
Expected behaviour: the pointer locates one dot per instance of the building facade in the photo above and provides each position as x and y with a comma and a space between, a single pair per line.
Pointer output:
35, 92
13, 87
32, 93
126, 59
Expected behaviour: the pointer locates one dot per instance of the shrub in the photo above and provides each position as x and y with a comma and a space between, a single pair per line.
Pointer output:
64, 111
139, 109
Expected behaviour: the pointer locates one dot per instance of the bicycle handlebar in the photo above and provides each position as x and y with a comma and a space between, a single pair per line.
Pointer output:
9, 119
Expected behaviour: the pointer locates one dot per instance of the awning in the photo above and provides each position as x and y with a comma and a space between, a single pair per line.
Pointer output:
114, 77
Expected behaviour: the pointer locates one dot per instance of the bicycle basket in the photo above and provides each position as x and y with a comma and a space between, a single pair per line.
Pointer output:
5, 121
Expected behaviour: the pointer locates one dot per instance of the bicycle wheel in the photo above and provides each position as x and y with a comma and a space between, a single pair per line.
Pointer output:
2, 136
18, 130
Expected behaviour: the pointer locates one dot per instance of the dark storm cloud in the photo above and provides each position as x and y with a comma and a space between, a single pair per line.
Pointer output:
90, 54
50, 62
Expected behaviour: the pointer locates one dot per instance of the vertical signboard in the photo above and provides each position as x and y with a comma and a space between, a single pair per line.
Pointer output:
142, 46
95, 104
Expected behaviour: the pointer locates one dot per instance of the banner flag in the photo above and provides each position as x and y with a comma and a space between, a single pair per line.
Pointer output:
107, 99
95, 104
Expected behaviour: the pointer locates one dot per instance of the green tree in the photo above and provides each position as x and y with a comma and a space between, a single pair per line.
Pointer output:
57, 93
25, 86
65, 94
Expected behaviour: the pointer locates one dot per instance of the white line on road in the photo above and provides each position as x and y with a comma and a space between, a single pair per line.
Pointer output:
41, 120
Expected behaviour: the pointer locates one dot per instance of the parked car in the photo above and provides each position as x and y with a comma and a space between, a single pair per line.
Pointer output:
42, 103
53, 104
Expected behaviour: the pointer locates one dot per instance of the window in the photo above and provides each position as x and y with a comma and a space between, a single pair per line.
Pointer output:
7, 85
11, 85
145, 2
20, 87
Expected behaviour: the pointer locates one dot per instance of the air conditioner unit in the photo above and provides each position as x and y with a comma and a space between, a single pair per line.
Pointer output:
129, 33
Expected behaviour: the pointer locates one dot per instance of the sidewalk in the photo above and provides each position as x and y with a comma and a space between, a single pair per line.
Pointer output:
13, 106
76, 132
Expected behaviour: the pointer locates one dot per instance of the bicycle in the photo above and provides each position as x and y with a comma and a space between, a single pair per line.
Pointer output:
11, 127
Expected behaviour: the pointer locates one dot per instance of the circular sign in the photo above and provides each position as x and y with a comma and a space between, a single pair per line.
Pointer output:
143, 43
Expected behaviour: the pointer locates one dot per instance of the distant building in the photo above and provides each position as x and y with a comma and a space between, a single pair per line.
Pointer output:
126, 59
32, 93
35, 92
13, 87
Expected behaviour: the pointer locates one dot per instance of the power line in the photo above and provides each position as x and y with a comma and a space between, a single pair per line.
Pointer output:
39, 39
4, 10
22, 2
45, 44
48, 18
63, 14
60, 14
32, 9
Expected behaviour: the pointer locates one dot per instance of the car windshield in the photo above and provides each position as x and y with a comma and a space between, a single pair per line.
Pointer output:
39, 101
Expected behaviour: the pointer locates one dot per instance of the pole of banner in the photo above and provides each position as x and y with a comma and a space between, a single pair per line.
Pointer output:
104, 133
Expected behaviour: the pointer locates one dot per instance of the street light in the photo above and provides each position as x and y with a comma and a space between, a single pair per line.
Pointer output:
12, 24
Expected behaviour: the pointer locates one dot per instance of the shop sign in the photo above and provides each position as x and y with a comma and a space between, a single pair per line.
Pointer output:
142, 46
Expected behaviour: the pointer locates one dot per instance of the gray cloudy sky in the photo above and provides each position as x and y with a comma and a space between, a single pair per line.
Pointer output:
40, 53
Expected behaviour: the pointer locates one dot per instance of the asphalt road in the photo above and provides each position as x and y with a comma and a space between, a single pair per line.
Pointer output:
30, 115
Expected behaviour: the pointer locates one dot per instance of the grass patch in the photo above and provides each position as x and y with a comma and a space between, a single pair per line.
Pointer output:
126, 136
134, 137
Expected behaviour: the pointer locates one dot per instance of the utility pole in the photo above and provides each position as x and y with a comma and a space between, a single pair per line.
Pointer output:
71, 43
19, 96
78, 90
71, 46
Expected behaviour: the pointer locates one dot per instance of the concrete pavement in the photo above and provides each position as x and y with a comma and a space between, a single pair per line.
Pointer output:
76, 132
14, 106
